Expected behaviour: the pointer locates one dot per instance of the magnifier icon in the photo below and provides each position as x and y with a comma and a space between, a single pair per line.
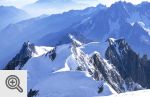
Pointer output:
13, 82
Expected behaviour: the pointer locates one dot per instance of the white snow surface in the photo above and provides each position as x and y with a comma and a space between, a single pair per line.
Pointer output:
41, 50
40, 67
59, 78
140, 93
71, 84
147, 29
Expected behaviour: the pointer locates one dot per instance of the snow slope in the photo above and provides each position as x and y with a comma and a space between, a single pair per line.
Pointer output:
141, 93
59, 78
116, 21
40, 65
41, 50
36, 28
70, 84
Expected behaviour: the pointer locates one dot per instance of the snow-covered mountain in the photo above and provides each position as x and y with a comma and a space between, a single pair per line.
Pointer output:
140, 93
121, 20
127, 61
10, 15
74, 51
55, 68
34, 29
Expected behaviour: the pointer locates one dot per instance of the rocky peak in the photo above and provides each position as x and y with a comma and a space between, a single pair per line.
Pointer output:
27, 49
120, 43
126, 61
124, 70
108, 72
22, 57
119, 10
52, 54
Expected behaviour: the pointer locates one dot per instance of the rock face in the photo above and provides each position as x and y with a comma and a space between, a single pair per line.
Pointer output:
127, 62
111, 75
52, 54
33, 93
124, 70
28, 51
22, 57
101, 69
108, 72
146, 64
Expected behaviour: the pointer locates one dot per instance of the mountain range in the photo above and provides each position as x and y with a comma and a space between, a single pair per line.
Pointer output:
98, 51
57, 6
121, 20
121, 69
10, 15
38, 28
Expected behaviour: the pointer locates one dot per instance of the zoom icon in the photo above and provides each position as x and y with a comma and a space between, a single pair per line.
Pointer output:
13, 82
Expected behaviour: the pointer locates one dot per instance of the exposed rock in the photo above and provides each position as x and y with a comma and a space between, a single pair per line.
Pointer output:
146, 64
22, 57
109, 73
33, 93
52, 54
126, 61
101, 69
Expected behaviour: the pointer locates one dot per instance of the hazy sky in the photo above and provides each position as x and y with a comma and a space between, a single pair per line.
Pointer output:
17, 3
20, 3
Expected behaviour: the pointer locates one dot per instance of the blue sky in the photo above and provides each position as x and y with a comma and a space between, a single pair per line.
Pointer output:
21, 3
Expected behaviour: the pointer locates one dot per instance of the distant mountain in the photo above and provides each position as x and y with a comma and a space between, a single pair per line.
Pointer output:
94, 52
56, 6
36, 28
10, 15
121, 20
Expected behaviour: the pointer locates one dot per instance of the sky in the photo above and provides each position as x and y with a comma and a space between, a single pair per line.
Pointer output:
17, 3
21, 3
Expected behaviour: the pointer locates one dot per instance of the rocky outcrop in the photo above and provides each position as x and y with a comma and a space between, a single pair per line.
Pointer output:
108, 72
127, 62
101, 69
146, 64
112, 76
52, 54
33, 93
22, 57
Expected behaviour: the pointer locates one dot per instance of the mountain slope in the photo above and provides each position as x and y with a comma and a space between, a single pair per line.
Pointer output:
72, 84
42, 69
84, 67
10, 14
34, 29
126, 60
92, 24
140, 93
121, 20
70, 62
